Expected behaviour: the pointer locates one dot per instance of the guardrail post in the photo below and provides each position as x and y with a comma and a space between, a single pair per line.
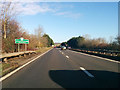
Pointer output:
5, 60
20, 55
24, 55
111, 54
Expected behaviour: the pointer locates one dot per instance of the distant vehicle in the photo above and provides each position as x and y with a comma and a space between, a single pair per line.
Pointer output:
63, 48
69, 47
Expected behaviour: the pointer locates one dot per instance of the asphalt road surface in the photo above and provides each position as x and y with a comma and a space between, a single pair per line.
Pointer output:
66, 69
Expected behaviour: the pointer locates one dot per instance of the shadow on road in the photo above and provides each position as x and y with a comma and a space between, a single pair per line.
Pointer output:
78, 79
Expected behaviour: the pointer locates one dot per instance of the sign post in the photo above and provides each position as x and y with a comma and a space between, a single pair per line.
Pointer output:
25, 47
18, 47
21, 41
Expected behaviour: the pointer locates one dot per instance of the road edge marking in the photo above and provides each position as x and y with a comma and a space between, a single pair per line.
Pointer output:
14, 71
97, 57
89, 74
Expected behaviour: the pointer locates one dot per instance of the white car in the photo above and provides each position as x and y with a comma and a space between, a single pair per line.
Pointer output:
63, 48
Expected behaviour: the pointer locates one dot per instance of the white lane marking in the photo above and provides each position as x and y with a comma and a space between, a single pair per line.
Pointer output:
9, 74
62, 53
67, 56
98, 57
89, 74
59, 51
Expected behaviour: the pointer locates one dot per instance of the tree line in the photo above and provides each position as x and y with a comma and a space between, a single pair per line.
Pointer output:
82, 42
10, 30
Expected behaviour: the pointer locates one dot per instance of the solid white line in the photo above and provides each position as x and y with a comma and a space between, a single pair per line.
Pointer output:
9, 74
89, 74
67, 56
98, 57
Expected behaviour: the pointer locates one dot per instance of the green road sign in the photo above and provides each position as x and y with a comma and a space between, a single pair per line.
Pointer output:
21, 41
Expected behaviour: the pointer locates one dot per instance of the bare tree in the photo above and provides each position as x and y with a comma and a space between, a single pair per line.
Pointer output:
118, 40
6, 14
44, 42
39, 33
10, 28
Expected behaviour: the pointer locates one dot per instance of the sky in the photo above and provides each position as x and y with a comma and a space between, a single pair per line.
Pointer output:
64, 20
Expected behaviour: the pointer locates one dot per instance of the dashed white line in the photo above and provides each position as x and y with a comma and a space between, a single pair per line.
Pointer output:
89, 74
67, 56
62, 53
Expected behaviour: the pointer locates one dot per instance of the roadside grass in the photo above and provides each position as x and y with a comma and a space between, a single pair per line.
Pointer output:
4, 66
7, 67
43, 49
15, 62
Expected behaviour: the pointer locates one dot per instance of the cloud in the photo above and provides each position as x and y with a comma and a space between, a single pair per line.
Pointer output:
26, 8
59, 0
35, 8
32, 8
69, 14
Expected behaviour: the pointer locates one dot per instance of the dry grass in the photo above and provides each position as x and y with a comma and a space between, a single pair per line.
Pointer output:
41, 50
